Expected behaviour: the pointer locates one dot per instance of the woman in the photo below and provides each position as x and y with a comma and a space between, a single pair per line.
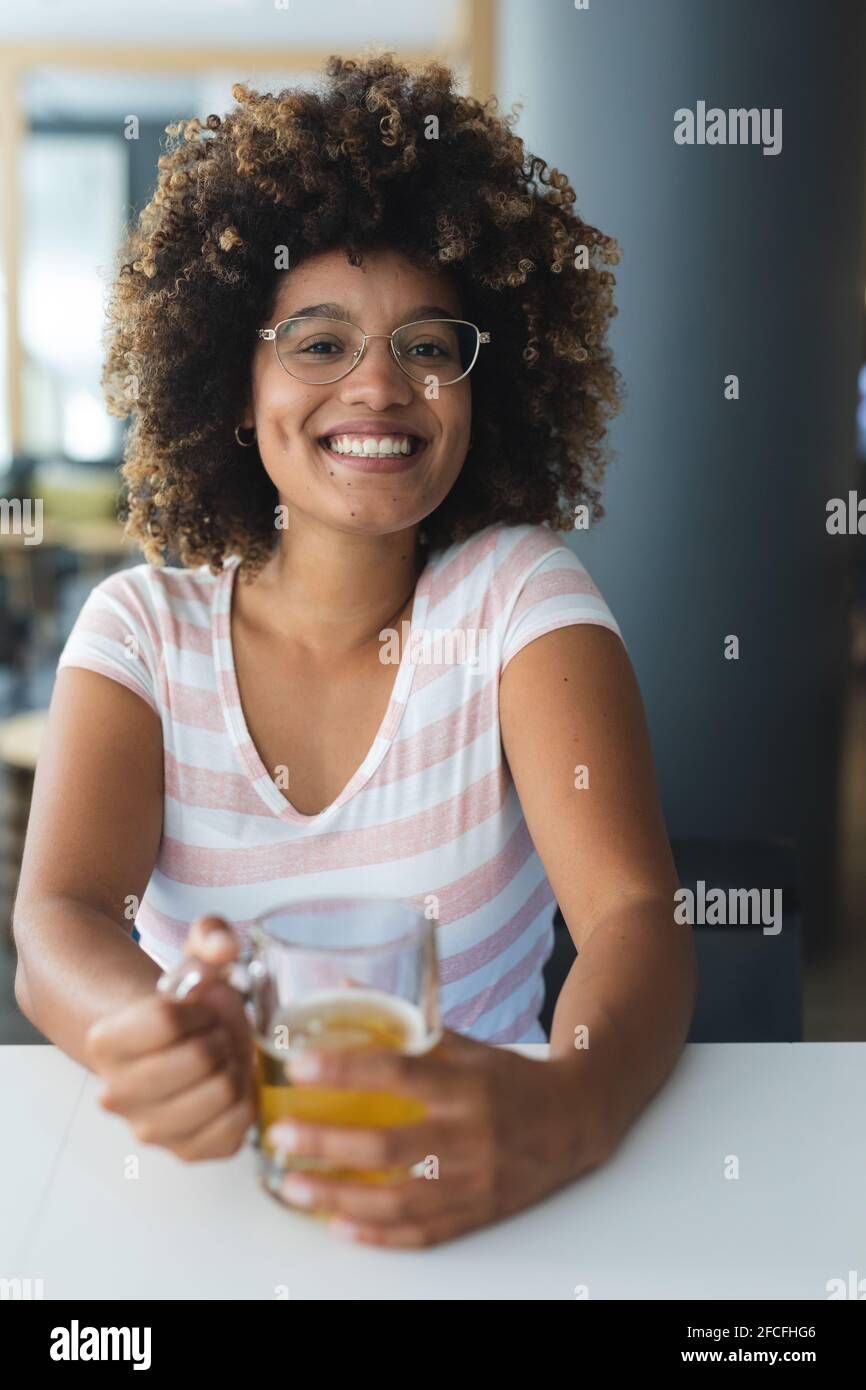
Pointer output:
361, 336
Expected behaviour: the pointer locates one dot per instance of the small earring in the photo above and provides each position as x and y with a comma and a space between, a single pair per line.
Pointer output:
245, 443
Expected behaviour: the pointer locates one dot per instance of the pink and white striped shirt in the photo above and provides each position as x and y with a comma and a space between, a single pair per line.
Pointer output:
432, 810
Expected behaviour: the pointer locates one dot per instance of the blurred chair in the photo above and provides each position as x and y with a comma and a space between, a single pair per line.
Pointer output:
750, 985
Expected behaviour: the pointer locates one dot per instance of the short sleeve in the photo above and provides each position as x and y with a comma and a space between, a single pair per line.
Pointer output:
116, 634
557, 591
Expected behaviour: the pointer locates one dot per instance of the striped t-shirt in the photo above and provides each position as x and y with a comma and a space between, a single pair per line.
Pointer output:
432, 810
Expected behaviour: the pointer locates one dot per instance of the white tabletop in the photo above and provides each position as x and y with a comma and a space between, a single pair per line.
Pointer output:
660, 1220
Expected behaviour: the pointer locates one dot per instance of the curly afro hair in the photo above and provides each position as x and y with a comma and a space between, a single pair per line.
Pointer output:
352, 165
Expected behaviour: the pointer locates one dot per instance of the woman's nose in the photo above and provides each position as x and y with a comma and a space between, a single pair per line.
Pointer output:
377, 377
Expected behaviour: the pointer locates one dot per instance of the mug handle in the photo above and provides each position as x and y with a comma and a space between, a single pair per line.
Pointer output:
192, 971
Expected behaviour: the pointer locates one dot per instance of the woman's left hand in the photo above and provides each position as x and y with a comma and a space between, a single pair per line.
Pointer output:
500, 1132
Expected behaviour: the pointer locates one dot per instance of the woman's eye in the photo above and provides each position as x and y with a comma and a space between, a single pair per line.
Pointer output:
427, 348
321, 343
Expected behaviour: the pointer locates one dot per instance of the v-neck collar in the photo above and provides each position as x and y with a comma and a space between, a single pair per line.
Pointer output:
230, 701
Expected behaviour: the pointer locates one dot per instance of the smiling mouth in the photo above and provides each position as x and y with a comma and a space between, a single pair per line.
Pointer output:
373, 446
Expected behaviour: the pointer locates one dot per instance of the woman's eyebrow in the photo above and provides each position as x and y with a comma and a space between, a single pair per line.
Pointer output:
339, 311
429, 311
327, 311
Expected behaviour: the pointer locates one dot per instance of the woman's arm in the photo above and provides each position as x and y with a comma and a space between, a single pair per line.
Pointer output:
569, 699
92, 841
179, 1072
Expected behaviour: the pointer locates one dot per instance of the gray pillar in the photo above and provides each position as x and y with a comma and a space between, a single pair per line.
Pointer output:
733, 262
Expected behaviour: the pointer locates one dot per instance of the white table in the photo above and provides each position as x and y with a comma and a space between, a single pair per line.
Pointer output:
660, 1220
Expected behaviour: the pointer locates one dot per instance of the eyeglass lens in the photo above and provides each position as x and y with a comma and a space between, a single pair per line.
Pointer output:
323, 349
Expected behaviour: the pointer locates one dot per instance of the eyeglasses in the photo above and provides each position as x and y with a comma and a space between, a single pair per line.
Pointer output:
322, 350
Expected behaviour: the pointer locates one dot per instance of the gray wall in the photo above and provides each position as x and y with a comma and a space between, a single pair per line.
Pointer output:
732, 261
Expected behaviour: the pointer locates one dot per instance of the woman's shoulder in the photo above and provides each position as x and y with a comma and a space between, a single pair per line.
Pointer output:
132, 618
161, 587
501, 556
521, 581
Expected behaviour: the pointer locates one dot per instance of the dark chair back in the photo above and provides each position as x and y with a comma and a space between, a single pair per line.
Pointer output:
750, 986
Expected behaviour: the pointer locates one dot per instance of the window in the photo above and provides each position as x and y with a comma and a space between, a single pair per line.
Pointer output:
74, 192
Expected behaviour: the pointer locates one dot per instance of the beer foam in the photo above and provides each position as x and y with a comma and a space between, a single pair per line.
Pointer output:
307, 1021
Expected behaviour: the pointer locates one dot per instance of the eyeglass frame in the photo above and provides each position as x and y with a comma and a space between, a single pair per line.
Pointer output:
270, 335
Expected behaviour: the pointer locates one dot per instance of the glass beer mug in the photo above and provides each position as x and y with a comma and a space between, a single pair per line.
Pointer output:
341, 972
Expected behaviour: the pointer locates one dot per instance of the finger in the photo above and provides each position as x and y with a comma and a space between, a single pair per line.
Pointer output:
222, 1137
428, 1078
390, 1203
181, 1117
145, 1026
414, 1235
212, 939
459, 1049
159, 1075
228, 1006
353, 1147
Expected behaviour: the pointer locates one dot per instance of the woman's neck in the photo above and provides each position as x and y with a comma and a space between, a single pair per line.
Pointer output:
334, 603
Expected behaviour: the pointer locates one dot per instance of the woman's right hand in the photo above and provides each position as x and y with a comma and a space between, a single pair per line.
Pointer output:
181, 1071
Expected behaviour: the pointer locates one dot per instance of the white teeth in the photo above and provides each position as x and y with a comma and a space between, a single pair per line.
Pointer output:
371, 445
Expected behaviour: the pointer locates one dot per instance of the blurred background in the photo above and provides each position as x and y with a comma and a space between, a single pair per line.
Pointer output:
732, 262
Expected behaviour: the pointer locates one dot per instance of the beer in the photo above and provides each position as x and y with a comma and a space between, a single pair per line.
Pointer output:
354, 1019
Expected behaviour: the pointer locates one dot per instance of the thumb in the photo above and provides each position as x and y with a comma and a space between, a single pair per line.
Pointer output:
211, 939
